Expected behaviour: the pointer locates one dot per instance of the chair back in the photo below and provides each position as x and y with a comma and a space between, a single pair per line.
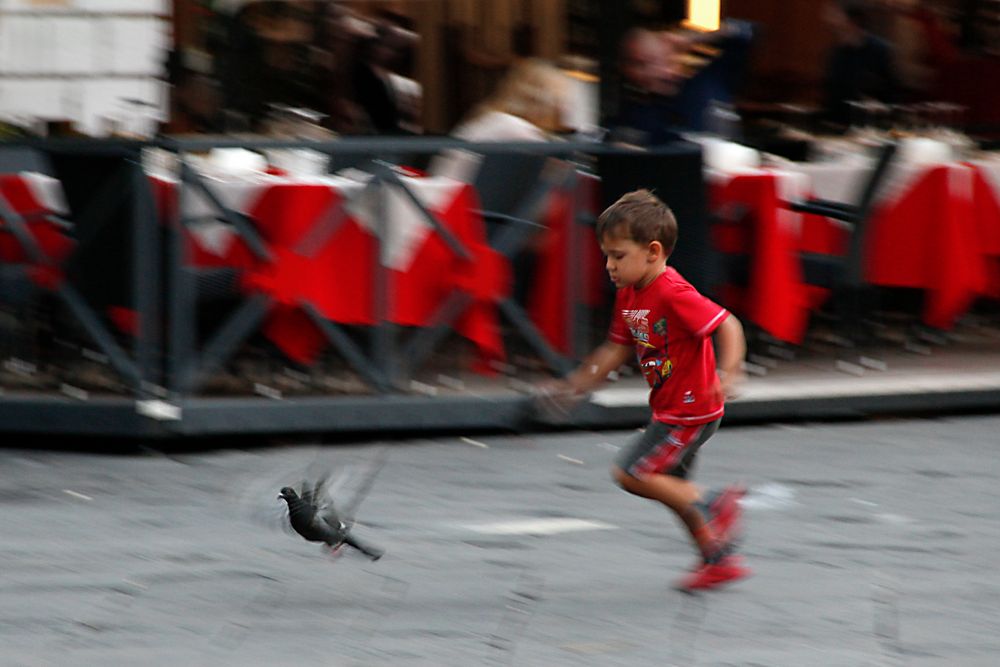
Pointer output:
16, 159
511, 183
883, 158
854, 274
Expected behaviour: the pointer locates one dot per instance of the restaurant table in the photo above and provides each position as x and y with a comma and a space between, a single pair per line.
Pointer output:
752, 220
986, 210
322, 234
933, 228
924, 235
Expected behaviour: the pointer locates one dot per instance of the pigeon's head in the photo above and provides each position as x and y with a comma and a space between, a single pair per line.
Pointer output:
288, 494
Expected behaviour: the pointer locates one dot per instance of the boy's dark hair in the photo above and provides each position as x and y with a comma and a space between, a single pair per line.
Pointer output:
640, 216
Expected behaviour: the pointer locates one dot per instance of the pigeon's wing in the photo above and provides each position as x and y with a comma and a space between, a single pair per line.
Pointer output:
315, 493
331, 517
306, 492
327, 491
340, 515
325, 507
367, 479
332, 488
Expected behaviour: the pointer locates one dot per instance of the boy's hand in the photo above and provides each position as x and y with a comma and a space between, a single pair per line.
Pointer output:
555, 399
730, 384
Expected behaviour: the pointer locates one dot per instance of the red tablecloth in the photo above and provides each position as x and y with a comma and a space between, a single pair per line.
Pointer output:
935, 231
986, 209
337, 276
754, 222
549, 298
22, 193
928, 238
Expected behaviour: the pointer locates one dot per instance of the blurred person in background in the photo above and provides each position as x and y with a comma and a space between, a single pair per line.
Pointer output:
195, 97
651, 76
528, 105
338, 34
924, 43
668, 90
388, 109
860, 66
402, 70
265, 58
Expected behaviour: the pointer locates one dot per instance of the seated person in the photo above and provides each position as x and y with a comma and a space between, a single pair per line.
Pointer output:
528, 105
860, 65
195, 97
664, 96
924, 47
372, 81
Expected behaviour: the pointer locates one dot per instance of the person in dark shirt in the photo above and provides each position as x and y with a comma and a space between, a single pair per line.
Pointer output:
661, 96
651, 76
860, 65
373, 88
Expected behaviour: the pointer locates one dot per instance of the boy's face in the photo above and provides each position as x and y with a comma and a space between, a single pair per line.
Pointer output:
631, 263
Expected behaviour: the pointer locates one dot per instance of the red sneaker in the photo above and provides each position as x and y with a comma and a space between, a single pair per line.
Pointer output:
726, 515
712, 575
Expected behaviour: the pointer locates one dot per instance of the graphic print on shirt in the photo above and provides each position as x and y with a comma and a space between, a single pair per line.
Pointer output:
638, 325
654, 362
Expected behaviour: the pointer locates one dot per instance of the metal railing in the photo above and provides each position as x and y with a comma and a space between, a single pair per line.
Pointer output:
163, 357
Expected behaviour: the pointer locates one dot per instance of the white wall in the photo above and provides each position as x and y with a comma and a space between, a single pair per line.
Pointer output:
79, 60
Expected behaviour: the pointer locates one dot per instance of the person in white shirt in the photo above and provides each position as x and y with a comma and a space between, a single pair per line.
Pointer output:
528, 105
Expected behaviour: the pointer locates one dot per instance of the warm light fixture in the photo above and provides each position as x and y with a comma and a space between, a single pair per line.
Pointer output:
703, 14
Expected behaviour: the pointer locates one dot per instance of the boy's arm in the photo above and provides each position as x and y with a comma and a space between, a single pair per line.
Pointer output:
557, 397
731, 347
595, 368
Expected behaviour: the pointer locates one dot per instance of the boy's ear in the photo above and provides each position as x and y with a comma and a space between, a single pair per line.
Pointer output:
656, 250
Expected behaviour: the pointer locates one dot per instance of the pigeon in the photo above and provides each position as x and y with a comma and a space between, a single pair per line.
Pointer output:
313, 515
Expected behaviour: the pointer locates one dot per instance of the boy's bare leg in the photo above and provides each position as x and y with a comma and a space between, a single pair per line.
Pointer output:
674, 492
677, 494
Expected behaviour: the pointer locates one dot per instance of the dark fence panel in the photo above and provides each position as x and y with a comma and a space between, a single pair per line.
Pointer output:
128, 258
674, 174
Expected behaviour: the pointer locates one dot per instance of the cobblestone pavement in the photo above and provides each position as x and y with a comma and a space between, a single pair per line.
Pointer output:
872, 543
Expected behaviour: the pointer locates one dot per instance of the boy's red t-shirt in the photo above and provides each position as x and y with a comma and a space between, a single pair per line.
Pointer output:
670, 323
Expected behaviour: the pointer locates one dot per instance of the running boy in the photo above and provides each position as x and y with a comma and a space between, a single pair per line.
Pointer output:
669, 325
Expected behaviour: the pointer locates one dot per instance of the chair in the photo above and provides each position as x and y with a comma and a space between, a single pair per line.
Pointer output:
18, 291
514, 189
15, 159
844, 274
72, 285
845, 271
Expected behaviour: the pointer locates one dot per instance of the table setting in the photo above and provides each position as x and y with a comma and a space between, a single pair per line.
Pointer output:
934, 224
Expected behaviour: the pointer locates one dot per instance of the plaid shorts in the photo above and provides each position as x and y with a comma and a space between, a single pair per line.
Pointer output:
667, 449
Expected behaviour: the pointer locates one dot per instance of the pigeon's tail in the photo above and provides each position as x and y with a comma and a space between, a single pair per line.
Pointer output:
367, 549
